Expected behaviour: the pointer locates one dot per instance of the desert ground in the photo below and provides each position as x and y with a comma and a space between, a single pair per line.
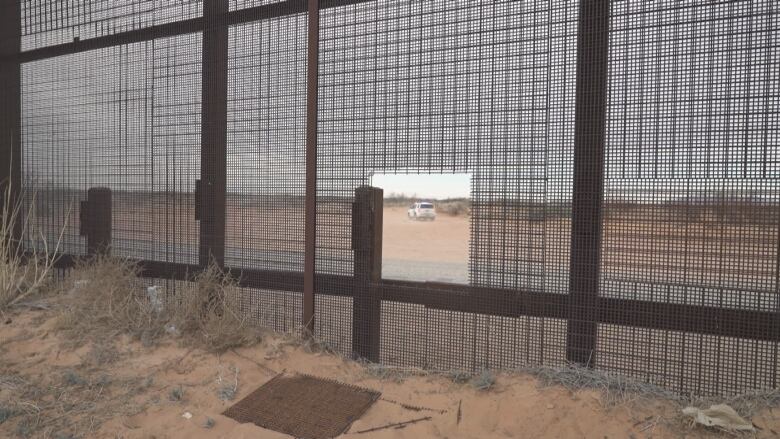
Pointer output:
127, 390
425, 250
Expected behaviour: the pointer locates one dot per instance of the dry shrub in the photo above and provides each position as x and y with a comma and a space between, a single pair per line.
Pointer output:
25, 273
105, 297
67, 403
207, 313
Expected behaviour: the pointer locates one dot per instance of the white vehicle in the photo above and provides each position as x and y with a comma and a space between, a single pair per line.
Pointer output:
422, 211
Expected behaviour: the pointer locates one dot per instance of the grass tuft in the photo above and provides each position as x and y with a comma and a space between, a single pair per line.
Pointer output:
6, 414
484, 381
71, 378
176, 394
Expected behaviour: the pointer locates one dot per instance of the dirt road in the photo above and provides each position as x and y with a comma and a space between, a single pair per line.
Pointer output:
425, 250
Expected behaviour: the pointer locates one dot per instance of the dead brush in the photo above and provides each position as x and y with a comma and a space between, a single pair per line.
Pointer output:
25, 271
105, 297
71, 403
207, 313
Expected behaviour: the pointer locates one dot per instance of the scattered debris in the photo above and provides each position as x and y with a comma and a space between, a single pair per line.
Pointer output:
459, 412
413, 408
170, 329
719, 416
187, 415
395, 425
209, 423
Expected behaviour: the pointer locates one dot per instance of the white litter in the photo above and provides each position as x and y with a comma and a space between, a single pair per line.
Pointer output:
720, 416
153, 293
187, 415
170, 328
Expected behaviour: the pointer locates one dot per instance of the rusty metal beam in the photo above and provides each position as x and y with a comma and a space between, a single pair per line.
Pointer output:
588, 193
310, 226
367, 246
708, 320
10, 119
95, 220
213, 150
193, 25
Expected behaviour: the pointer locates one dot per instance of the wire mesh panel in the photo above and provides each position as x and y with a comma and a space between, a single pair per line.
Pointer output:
266, 146
266, 153
236, 5
48, 22
442, 87
125, 118
691, 192
198, 127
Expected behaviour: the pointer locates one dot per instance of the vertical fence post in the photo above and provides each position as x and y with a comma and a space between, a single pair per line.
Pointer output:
310, 222
213, 150
11, 102
367, 244
95, 220
588, 193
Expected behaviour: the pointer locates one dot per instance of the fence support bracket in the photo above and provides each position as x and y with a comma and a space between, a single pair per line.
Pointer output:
95, 220
367, 245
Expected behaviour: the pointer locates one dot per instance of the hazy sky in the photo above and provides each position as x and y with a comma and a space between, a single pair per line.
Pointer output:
424, 185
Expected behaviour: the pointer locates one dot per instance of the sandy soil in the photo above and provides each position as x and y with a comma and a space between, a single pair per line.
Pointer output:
443, 240
517, 406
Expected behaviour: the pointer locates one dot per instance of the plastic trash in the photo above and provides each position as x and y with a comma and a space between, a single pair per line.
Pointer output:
153, 293
719, 415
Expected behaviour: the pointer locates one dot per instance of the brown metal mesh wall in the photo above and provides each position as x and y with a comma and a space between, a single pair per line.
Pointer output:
126, 118
236, 5
691, 188
665, 269
438, 87
265, 158
48, 23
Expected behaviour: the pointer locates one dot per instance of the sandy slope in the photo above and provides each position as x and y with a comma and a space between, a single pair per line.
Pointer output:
516, 407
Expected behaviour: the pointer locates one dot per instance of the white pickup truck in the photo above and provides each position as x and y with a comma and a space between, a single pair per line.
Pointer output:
422, 211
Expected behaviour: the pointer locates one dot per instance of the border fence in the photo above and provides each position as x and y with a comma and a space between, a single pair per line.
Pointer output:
625, 162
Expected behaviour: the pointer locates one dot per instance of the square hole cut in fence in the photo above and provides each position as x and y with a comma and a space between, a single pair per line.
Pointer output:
426, 226
304, 406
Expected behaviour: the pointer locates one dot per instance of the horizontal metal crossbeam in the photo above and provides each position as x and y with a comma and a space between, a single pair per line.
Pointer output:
729, 322
193, 25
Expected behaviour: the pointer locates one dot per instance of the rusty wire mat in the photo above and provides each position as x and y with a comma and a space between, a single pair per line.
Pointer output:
304, 406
